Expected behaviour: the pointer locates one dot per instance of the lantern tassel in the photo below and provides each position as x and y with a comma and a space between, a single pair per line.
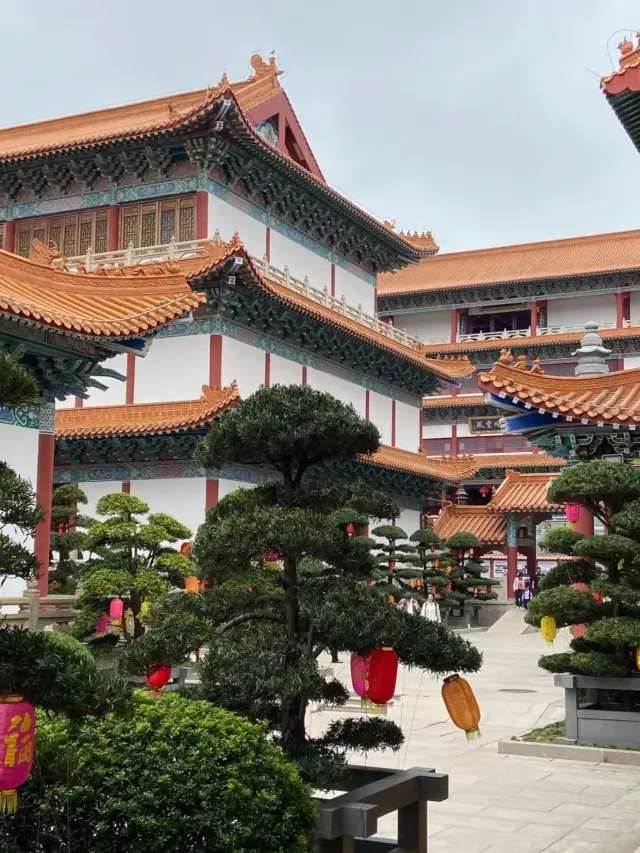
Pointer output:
473, 734
8, 802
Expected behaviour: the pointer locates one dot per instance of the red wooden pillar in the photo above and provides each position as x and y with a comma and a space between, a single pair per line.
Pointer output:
9, 236
212, 493
202, 215
44, 494
113, 228
533, 322
532, 564
393, 423
623, 308
215, 361
454, 440
454, 325
126, 488
512, 569
130, 394
584, 524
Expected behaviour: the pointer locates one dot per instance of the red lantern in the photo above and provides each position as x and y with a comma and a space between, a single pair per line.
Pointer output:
17, 744
572, 512
382, 675
581, 587
359, 667
484, 491
392, 565
432, 547
350, 529
159, 678
597, 597
579, 631
185, 549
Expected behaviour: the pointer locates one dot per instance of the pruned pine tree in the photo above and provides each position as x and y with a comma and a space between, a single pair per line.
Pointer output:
604, 608
399, 569
467, 582
286, 580
69, 537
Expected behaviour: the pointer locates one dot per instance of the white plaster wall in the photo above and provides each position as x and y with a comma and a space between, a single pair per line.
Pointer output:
244, 363
634, 299
345, 391
94, 491
578, 310
409, 521
436, 431
182, 498
407, 427
355, 290
284, 372
174, 369
631, 363
228, 220
426, 325
463, 430
116, 393
301, 262
380, 415
69, 403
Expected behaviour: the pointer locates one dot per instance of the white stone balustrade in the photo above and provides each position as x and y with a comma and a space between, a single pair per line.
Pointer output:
192, 248
513, 334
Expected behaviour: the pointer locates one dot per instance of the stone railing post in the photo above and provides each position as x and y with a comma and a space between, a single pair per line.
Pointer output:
32, 594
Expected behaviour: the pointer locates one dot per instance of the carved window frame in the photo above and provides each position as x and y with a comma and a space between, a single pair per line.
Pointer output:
72, 233
153, 223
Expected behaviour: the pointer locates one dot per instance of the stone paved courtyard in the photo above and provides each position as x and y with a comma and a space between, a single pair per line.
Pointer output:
501, 803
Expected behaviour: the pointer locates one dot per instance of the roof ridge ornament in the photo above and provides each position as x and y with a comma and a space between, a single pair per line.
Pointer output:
592, 355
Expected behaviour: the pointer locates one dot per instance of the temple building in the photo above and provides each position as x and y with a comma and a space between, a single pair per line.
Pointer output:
162, 260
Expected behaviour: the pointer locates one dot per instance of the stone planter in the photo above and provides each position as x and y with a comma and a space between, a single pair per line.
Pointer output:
346, 823
593, 718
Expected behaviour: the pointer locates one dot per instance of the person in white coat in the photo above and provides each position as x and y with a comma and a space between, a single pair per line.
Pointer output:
431, 609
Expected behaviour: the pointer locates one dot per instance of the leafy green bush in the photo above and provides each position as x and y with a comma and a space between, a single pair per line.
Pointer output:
179, 775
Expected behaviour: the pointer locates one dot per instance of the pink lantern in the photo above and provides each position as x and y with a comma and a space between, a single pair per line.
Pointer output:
581, 587
17, 744
116, 610
572, 512
359, 669
579, 631
597, 597
103, 624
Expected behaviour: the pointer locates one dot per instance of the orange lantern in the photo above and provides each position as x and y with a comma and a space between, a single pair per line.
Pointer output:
548, 629
419, 583
381, 676
461, 705
185, 550
476, 591
436, 564
434, 590
17, 744
638, 658
191, 584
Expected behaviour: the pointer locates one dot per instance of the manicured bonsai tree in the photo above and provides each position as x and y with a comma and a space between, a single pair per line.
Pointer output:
175, 775
398, 562
287, 581
135, 563
68, 534
599, 594
467, 583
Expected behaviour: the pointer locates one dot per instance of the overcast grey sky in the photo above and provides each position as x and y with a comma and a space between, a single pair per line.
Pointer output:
481, 120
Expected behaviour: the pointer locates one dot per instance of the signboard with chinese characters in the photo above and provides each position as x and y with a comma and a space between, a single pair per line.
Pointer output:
481, 426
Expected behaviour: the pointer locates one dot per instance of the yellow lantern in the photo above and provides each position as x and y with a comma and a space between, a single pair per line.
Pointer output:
548, 629
144, 608
191, 584
638, 658
461, 705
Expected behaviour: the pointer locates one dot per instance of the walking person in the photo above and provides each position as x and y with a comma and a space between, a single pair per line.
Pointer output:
431, 609
518, 588
409, 605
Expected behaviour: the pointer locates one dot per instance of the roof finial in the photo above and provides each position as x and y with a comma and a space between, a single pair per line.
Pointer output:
591, 355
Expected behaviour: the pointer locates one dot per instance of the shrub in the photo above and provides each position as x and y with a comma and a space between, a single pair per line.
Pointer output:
178, 775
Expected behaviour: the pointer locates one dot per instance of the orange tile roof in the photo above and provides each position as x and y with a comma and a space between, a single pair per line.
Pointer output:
523, 493
451, 368
576, 256
424, 241
518, 460
128, 120
609, 398
627, 76
451, 402
489, 528
116, 303
432, 467
145, 418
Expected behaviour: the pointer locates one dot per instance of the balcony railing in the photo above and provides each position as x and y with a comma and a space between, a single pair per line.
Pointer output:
514, 334
193, 248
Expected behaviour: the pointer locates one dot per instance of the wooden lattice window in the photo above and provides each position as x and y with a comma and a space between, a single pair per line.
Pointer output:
155, 223
72, 234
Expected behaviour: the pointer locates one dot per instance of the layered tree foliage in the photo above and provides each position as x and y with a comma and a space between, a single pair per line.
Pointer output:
286, 580
177, 775
465, 573
134, 560
609, 566
68, 535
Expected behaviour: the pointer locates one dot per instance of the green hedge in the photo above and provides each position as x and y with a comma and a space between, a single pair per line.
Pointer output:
175, 775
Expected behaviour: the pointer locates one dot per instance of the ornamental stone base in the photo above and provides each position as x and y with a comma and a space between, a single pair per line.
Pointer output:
595, 710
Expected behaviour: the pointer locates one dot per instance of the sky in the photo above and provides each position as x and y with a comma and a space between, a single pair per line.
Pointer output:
480, 120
